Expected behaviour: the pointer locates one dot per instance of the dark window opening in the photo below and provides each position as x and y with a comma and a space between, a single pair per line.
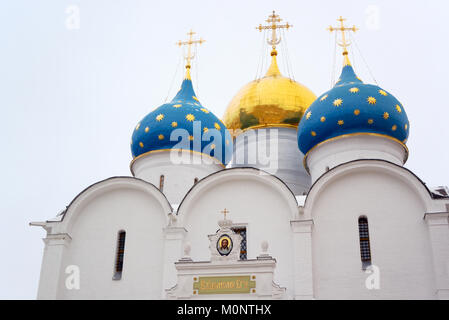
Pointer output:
243, 245
161, 183
120, 254
365, 250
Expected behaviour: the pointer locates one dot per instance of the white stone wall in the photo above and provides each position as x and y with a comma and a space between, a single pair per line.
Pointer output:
316, 246
285, 162
178, 177
344, 149
93, 222
260, 201
391, 199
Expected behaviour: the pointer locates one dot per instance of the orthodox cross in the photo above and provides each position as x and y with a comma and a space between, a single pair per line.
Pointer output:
344, 43
225, 211
273, 21
189, 43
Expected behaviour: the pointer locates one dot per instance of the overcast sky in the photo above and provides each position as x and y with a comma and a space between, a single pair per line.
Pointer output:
72, 90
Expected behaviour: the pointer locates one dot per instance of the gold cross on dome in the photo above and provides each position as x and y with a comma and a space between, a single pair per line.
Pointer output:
344, 44
273, 19
189, 43
225, 211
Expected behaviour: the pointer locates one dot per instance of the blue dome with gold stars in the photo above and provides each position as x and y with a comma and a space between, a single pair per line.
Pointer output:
184, 124
352, 108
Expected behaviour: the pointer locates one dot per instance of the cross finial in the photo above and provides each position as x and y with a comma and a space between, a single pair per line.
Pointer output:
273, 21
225, 211
344, 44
189, 43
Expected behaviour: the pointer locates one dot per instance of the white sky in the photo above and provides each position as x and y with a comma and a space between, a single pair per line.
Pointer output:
71, 98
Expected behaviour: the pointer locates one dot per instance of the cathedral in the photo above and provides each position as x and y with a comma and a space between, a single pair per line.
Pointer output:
289, 196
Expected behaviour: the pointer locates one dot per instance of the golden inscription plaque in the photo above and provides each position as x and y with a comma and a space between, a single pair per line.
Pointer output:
224, 285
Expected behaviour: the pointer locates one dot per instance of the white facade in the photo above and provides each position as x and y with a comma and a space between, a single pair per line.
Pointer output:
174, 173
313, 239
274, 150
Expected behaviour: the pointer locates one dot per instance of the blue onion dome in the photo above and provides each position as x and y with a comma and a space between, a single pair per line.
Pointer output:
352, 108
203, 131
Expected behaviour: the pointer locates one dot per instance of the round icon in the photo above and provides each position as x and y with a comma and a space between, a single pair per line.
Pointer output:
224, 245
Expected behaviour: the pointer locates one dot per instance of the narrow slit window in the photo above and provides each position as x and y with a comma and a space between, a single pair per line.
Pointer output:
120, 254
365, 250
161, 183
195, 180
243, 245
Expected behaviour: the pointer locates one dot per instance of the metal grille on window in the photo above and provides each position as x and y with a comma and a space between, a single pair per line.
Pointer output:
365, 250
161, 183
243, 251
120, 254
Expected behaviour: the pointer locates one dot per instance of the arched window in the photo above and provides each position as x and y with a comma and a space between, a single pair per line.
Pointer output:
365, 250
119, 256
161, 183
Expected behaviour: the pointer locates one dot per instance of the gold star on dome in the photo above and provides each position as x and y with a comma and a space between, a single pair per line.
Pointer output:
324, 97
160, 117
177, 105
338, 102
161, 137
308, 115
138, 126
356, 112
195, 98
398, 108
191, 138
141, 144
322, 119
371, 100
354, 90
340, 122
386, 115
313, 133
394, 127
147, 129
174, 124
204, 110
217, 126
205, 129
382, 92
370, 121
405, 126
190, 117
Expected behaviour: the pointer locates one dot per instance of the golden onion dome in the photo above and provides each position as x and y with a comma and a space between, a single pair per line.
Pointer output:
271, 101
